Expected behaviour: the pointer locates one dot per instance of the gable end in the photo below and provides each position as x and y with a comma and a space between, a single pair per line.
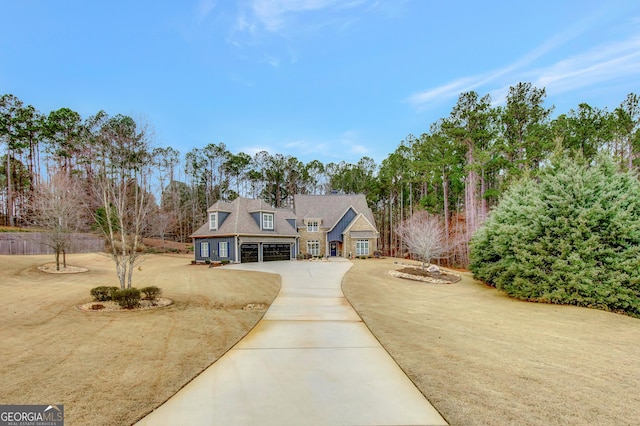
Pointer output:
336, 233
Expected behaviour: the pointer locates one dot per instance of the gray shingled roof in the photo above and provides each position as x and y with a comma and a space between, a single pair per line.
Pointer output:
240, 221
330, 207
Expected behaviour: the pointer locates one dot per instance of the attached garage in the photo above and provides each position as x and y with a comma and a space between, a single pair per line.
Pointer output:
271, 252
249, 253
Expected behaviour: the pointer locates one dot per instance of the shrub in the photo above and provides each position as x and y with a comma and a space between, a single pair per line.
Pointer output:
571, 237
151, 292
225, 262
128, 298
103, 293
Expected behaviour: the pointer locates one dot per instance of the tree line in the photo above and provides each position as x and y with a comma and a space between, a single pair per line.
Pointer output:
457, 169
463, 164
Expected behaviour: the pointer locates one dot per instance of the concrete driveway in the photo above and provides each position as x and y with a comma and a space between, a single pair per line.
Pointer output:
309, 361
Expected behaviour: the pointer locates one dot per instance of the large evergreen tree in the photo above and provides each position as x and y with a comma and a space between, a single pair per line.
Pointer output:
572, 236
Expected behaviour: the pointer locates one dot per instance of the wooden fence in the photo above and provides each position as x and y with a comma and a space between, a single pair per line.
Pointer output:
39, 243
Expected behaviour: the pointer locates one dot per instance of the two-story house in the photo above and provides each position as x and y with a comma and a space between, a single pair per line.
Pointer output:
249, 230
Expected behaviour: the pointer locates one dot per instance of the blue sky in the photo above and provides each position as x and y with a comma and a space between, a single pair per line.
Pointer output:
317, 79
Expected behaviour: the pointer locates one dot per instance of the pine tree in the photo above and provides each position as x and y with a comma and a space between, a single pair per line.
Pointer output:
572, 237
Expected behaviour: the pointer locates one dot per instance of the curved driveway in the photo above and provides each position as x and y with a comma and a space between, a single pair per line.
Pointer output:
309, 361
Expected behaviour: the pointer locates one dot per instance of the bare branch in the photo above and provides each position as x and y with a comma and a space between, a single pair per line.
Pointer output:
423, 235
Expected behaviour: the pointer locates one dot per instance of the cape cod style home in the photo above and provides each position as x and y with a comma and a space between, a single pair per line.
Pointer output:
249, 230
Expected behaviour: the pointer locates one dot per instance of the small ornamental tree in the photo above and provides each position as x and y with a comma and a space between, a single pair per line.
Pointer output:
57, 207
572, 236
423, 235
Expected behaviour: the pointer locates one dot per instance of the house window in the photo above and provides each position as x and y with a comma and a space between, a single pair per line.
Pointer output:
362, 247
223, 249
204, 250
213, 221
267, 220
312, 226
313, 248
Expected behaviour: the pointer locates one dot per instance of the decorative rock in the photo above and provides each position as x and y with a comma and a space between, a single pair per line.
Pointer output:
433, 269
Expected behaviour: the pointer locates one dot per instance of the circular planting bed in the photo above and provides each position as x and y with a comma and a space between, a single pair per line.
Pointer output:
418, 274
50, 268
111, 306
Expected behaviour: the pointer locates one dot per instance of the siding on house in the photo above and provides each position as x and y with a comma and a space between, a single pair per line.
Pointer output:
343, 220
222, 216
336, 233
214, 249
256, 218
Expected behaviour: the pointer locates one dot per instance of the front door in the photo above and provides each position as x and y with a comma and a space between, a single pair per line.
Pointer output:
333, 247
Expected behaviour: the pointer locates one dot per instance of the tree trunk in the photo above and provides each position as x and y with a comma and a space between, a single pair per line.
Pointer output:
470, 191
630, 153
445, 195
10, 217
483, 206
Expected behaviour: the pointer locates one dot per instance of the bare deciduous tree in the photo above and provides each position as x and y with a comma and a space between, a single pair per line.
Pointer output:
162, 223
423, 235
123, 162
57, 207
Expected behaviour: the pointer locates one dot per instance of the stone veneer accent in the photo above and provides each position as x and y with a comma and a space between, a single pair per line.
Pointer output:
360, 224
306, 236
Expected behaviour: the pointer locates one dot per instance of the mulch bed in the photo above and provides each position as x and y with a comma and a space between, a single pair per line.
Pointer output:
50, 268
111, 306
417, 274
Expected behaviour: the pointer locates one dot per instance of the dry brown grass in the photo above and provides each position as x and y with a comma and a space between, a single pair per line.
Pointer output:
482, 358
111, 368
479, 357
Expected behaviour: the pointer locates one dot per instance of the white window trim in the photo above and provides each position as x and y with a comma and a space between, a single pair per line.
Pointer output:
213, 219
313, 248
313, 226
203, 245
223, 249
360, 246
264, 221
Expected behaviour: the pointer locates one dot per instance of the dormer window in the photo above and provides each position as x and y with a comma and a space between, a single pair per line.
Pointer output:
267, 221
213, 221
312, 226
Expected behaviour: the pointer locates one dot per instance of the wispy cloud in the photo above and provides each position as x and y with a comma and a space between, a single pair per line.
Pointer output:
608, 62
348, 142
352, 141
203, 9
273, 14
283, 16
605, 62
274, 25
446, 91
